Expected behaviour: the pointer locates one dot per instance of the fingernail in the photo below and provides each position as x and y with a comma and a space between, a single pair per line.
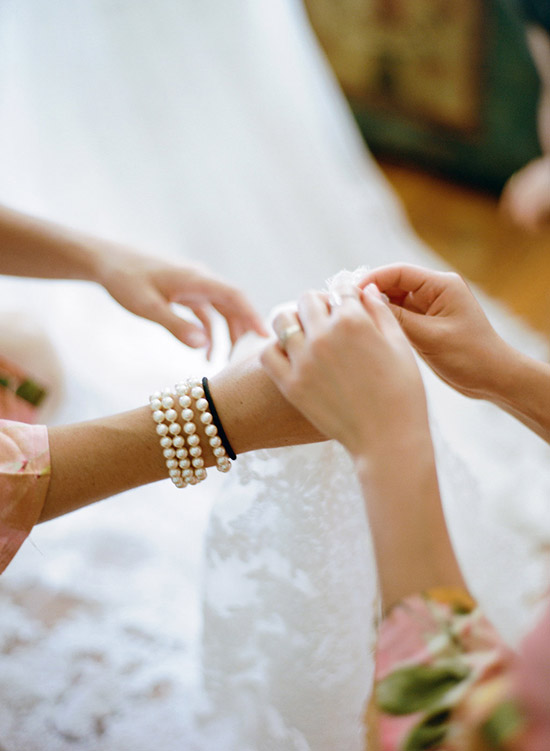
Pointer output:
373, 290
196, 339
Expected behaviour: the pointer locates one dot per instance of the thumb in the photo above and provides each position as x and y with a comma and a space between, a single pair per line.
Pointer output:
415, 325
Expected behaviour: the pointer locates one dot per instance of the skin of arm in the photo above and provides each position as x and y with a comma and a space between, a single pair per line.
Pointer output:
145, 286
353, 375
448, 328
96, 459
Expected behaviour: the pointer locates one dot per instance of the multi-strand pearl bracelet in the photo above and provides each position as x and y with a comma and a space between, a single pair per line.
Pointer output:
181, 446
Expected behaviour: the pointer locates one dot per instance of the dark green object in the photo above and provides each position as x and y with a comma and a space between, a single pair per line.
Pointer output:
31, 392
419, 687
507, 136
428, 734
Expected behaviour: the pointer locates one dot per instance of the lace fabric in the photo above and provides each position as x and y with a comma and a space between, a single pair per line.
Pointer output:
290, 595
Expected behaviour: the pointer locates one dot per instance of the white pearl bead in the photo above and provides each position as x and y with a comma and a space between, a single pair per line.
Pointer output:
223, 467
195, 451
197, 392
175, 428
218, 451
193, 440
167, 402
211, 430
181, 453
206, 418
179, 483
195, 381
169, 453
215, 441
185, 464
185, 401
171, 415
180, 388
172, 463
190, 428
178, 441
166, 442
155, 404
162, 429
155, 395
187, 473
187, 414
198, 462
193, 480
174, 472
200, 474
202, 404
158, 415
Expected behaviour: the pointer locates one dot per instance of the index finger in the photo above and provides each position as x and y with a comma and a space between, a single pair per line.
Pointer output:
406, 285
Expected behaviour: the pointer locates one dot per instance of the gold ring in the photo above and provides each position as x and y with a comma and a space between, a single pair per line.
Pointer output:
285, 334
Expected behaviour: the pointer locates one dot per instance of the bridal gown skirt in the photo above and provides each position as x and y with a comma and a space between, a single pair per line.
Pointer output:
214, 131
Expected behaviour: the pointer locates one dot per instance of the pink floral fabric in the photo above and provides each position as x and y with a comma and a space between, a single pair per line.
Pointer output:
24, 480
445, 680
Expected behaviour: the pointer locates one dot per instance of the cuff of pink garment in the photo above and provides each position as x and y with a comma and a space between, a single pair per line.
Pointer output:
24, 480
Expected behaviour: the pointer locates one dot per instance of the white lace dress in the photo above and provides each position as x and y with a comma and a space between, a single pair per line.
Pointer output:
214, 130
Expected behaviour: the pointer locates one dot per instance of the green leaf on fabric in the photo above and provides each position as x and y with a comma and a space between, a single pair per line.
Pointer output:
503, 724
419, 687
31, 392
429, 733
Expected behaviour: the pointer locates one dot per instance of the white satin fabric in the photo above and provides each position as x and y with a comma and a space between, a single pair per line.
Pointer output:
214, 131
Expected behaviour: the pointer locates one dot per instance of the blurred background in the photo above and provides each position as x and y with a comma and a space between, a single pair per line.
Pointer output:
446, 94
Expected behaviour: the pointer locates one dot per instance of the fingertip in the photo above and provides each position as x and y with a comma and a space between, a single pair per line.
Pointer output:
373, 290
197, 339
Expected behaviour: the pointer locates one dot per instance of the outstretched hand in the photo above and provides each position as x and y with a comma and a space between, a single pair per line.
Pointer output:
445, 324
348, 368
149, 288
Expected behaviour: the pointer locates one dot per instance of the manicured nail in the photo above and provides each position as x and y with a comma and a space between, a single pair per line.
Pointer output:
196, 339
373, 290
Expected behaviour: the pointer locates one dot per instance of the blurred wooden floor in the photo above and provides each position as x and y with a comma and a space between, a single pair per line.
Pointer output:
465, 227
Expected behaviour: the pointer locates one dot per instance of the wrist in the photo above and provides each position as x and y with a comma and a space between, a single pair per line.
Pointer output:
521, 389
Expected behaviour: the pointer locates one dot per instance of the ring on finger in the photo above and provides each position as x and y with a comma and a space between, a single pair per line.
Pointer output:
287, 333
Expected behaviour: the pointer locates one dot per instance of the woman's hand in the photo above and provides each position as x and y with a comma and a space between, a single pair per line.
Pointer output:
446, 325
146, 286
149, 287
349, 369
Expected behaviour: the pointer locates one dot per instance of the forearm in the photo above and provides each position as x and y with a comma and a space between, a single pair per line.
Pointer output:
412, 546
37, 248
521, 388
94, 460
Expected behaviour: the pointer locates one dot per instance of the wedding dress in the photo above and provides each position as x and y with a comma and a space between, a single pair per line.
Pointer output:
215, 131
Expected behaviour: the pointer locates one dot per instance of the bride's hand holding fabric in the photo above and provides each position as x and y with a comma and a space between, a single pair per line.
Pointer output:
348, 368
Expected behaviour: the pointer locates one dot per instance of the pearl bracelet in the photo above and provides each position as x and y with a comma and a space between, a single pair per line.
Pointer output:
171, 442
194, 471
185, 463
202, 404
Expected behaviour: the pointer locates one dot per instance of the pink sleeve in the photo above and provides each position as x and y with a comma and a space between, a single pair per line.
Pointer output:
24, 480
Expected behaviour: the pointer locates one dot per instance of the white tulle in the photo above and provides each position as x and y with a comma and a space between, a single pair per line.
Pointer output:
214, 131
